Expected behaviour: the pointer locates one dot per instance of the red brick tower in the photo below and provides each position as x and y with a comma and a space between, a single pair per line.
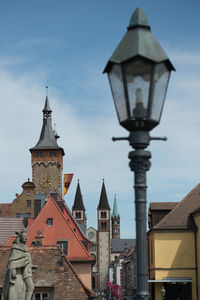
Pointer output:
47, 160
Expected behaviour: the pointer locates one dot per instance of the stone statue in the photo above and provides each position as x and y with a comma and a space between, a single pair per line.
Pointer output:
18, 284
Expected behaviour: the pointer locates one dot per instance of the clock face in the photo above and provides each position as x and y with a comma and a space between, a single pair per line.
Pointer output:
45, 181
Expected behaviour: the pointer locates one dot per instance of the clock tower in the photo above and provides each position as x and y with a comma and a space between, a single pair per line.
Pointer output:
47, 160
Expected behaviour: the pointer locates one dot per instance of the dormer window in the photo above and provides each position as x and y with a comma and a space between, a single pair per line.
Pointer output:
63, 244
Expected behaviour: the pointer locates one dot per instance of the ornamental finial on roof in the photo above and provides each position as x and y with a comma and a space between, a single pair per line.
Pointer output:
47, 86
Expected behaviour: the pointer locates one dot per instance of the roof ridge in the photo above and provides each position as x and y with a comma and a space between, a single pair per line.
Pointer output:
176, 207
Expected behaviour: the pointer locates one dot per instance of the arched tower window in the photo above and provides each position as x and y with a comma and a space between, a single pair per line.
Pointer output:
103, 215
78, 215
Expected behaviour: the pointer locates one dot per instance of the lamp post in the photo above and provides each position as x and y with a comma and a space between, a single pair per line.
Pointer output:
138, 73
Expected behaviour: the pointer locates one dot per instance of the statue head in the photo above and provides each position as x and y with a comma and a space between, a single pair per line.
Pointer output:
21, 237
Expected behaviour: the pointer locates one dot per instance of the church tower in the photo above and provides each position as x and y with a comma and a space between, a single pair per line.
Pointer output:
103, 237
78, 208
115, 218
47, 160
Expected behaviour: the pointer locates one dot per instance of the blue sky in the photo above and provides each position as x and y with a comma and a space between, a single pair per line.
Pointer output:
69, 43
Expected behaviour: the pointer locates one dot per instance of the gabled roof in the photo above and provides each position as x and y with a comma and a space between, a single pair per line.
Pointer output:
54, 270
47, 140
8, 226
78, 200
61, 229
178, 218
103, 201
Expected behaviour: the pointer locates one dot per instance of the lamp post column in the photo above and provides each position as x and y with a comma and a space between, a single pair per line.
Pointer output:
140, 164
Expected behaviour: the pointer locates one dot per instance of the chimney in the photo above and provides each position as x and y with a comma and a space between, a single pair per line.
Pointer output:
62, 259
39, 238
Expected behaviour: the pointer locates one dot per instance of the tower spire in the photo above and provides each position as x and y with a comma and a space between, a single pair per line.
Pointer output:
103, 201
78, 201
47, 140
115, 208
78, 208
115, 218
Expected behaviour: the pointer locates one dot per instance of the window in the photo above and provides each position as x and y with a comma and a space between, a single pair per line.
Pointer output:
42, 296
63, 244
93, 247
36, 154
85, 244
28, 203
52, 154
78, 215
103, 215
50, 221
41, 154
28, 193
17, 215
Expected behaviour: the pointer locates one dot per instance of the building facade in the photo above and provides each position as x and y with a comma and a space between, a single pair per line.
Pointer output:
174, 249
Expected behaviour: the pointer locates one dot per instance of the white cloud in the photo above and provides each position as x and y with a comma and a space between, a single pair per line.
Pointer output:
90, 153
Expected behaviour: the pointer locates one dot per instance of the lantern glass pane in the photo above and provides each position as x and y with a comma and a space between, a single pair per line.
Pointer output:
138, 77
117, 87
160, 82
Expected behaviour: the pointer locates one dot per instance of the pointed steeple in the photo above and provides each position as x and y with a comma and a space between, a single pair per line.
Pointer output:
47, 140
115, 209
78, 201
103, 202
47, 107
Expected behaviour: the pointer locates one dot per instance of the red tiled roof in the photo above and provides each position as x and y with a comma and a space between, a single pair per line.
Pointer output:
178, 216
51, 272
8, 226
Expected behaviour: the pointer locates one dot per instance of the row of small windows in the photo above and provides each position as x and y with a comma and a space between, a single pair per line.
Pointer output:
41, 154
23, 215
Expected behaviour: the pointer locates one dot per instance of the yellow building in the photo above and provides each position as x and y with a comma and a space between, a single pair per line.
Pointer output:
174, 248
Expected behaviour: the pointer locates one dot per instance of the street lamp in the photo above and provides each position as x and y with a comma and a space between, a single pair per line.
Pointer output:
138, 73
